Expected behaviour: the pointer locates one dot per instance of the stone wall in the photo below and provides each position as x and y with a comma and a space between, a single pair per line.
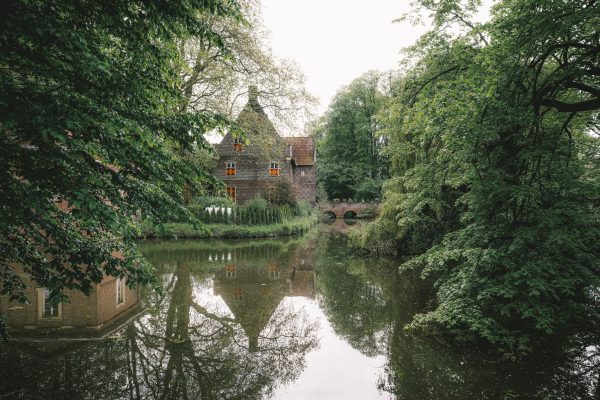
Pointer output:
305, 183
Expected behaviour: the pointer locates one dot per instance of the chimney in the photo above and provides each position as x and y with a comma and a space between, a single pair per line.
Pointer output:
252, 94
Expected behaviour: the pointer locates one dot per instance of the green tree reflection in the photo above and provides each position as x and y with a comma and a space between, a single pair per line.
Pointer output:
369, 303
189, 345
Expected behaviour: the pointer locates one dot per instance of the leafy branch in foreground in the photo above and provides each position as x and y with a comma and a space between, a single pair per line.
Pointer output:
90, 133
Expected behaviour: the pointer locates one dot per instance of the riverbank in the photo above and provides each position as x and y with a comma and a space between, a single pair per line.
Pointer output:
290, 227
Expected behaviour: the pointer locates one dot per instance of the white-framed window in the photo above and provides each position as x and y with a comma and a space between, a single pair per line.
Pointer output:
232, 193
238, 293
302, 173
273, 270
230, 168
274, 169
238, 144
120, 289
45, 308
231, 271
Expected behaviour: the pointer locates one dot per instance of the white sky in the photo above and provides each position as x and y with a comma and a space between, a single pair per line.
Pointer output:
336, 41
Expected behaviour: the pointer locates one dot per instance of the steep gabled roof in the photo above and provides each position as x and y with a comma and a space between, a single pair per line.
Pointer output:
253, 119
303, 150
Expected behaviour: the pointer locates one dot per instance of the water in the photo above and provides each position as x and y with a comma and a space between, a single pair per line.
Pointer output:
280, 318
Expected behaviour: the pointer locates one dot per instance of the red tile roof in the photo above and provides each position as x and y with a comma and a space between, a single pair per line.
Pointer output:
303, 150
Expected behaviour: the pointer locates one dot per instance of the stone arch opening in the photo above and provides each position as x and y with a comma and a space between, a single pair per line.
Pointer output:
329, 215
350, 214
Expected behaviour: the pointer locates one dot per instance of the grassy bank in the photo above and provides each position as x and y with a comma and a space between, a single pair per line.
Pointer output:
292, 226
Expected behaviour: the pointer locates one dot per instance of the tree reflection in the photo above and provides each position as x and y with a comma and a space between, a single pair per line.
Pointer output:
239, 351
369, 302
189, 345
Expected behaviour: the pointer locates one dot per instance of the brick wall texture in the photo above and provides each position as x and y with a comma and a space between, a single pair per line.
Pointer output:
295, 156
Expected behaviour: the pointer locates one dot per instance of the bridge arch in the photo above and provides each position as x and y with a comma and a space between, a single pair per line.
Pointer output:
345, 209
329, 215
350, 214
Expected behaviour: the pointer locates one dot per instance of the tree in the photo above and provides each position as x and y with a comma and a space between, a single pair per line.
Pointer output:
494, 147
217, 78
350, 151
90, 123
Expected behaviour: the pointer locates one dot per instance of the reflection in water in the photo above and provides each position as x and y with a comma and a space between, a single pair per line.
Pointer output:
370, 304
220, 330
288, 319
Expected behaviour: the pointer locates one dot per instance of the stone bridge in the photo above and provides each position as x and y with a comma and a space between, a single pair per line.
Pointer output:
345, 209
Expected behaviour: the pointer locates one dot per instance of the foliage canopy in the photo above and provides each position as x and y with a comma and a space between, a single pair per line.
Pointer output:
494, 150
90, 133
351, 164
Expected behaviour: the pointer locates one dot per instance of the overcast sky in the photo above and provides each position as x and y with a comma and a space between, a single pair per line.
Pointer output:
336, 41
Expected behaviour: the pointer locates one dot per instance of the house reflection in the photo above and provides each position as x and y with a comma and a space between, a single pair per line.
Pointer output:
254, 290
109, 306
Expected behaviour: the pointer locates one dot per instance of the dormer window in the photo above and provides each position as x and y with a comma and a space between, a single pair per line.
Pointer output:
230, 168
238, 144
274, 169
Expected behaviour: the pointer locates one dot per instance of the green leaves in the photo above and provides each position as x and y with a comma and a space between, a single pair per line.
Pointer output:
493, 194
92, 134
351, 164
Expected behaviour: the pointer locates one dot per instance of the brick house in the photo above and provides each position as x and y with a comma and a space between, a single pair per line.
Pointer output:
252, 282
257, 163
111, 302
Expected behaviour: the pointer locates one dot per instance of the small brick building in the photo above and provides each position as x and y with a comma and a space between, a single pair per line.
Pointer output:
258, 162
111, 302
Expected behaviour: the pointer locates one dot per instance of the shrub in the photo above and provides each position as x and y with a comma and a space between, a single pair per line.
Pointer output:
182, 230
282, 194
207, 201
302, 208
369, 212
257, 203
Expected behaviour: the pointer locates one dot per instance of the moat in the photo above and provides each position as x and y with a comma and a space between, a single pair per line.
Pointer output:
295, 318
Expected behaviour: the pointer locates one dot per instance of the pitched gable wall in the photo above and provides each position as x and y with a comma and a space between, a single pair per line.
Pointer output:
265, 146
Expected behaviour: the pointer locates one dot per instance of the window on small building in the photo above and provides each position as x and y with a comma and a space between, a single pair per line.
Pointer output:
238, 293
230, 168
273, 270
274, 169
47, 309
120, 288
231, 271
238, 144
232, 193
